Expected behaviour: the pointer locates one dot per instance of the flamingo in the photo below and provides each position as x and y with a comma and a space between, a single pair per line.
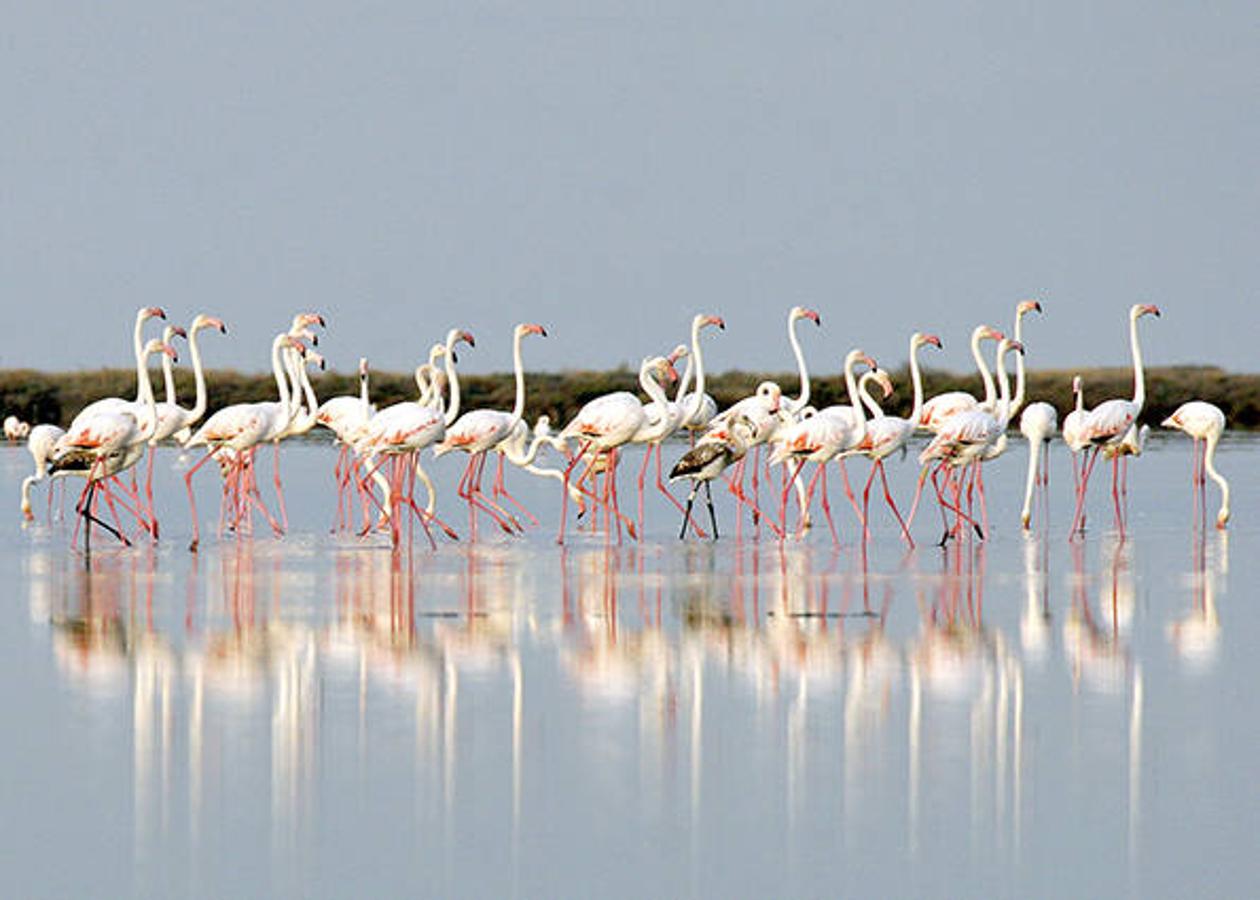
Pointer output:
822, 437
885, 435
137, 406
190, 417
108, 441
1038, 424
966, 437
481, 430
706, 461
343, 415
39, 443
604, 424
942, 406
1022, 309
241, 428
1203, 422
1110, 421
699, 408
401, 431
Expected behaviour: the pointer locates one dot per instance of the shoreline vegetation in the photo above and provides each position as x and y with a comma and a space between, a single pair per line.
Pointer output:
54, 397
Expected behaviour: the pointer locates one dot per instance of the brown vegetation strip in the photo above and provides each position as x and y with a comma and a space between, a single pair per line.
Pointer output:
55, 396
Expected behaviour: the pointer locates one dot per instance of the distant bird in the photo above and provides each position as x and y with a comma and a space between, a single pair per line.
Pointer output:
1110, 421
40, 444
15, 429
708, 459
1203, 422
1039, 423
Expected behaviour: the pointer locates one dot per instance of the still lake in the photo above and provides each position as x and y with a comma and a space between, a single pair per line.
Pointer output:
319, 716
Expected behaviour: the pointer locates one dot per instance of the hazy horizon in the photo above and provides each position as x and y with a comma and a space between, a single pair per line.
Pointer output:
612, 169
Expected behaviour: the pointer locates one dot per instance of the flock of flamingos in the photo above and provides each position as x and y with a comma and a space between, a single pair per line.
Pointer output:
379, 459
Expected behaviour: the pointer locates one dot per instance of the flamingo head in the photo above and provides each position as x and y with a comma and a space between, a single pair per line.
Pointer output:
770, 392
363, 367
712, 320
921, 340
313, 358
677, 353
663, 366
160, 346
1008, 344
151, 312
542, 427
204, 321
175, 331
1027, 306
1144, 309
1076, 384
306, 320
293, 343
881, 378
802, 312
989, 333
856, 356
526, 328
467, 338
745, 424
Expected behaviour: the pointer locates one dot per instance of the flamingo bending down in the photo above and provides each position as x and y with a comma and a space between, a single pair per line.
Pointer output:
602, 426
39, 443
1109, 423
1203, 422
240, 428
108, 441
706, 461
885, 435
822, 437
481, 430
1038, 424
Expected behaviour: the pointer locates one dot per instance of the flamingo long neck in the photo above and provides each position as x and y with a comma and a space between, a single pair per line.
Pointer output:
1018, 400
168, 369
452, 378
1209, 463
1003, 410
1034, 454
148, 427
795, 406
985, 374
199, 379
518, 367
680, 396
654, 390
137, 343
306, 421
294, 367
363, 390
916, 379
864, 391
1139, 376
855, 401
282, 382
697, 396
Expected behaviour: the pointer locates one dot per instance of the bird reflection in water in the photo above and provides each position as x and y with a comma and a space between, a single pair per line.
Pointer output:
1196, 635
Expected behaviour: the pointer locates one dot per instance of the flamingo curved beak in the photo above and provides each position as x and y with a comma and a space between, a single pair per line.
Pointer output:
870, 362
716, 320
933, 340
1029, 306
1152, 309
170, 351
179, 330
467, 338
154, 312
993, 334
536, 329
812, 315
1016, 346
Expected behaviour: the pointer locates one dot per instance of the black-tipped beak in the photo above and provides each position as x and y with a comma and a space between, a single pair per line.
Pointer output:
454, 357
322, 323
543, 331
222, 329
314, 340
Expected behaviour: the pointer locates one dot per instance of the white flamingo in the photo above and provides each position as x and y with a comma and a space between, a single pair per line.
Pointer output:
481, 430
1205, 423
39, 443
1110, 421
606, 423
942, 406
1038, 424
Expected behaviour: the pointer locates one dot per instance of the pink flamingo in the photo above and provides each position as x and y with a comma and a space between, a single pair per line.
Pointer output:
821, 438
1205, 423
109, 440
240, 428
602, 426
481, 430
885, 435
1110, 421
1038, 424
942, 406
39, 443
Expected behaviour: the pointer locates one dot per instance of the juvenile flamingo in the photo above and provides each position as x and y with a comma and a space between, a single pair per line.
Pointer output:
1205, 423
706, 461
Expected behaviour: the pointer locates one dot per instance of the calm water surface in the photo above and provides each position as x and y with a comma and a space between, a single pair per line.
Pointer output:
319, 716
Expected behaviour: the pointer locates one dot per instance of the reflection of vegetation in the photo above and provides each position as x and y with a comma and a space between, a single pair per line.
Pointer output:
54, 397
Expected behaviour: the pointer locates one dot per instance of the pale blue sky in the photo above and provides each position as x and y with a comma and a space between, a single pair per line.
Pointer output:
609, 168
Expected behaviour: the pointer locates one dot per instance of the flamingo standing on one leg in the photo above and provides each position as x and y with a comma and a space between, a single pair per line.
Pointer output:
1205, 423
1039, 423
481, 430
1110, 421
602, 426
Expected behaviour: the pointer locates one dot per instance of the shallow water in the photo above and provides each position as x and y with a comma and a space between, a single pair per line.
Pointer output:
320, 716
